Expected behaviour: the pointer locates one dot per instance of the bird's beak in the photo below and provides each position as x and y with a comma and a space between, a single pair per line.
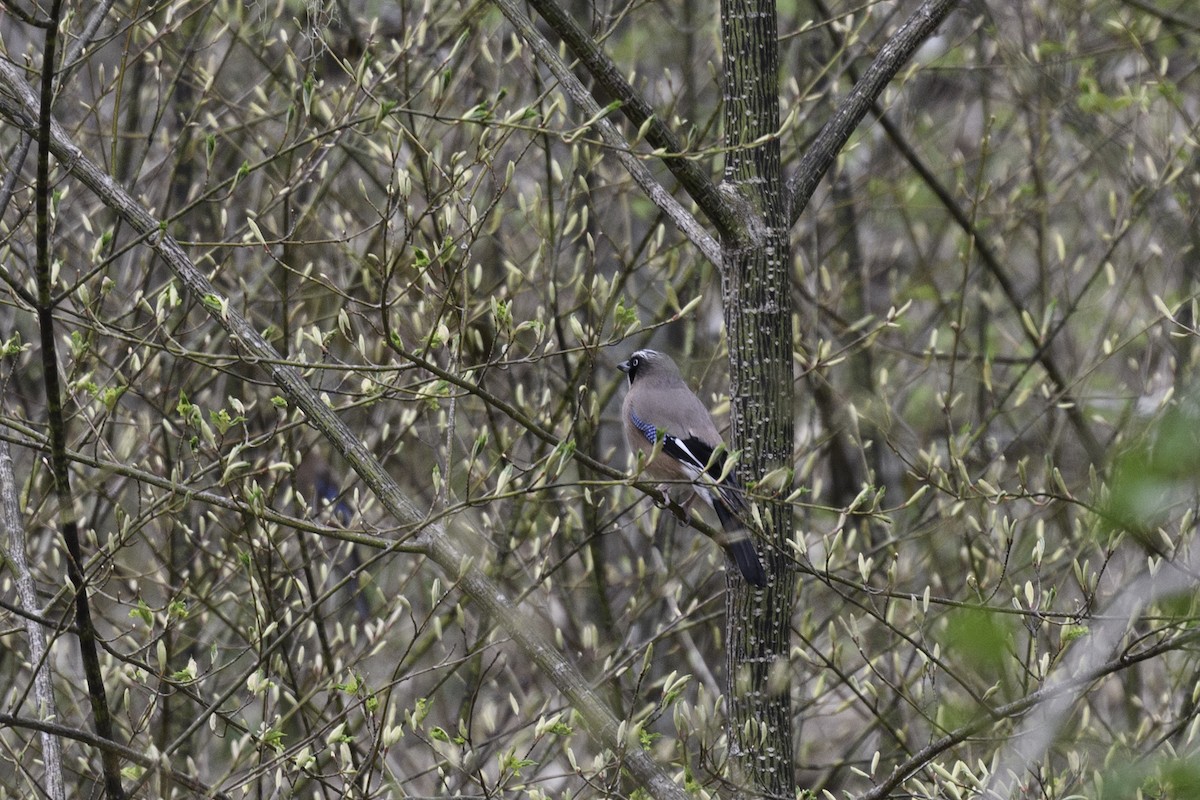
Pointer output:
623, 366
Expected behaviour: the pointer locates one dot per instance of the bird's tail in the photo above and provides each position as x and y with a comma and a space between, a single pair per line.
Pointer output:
738, 542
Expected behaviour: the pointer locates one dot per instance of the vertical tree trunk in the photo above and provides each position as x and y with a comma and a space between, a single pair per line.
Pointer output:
757, 263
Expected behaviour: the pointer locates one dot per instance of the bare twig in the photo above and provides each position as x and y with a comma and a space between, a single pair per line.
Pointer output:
894, 54
655, 191
57, 419
139, 757
14, 554
695, 180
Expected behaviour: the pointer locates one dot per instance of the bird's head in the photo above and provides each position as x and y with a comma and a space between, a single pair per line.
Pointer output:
648, 364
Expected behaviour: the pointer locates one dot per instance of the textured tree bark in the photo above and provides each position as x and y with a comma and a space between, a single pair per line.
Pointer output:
755, 281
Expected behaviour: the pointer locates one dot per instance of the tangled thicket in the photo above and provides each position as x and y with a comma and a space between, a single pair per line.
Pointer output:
994, 296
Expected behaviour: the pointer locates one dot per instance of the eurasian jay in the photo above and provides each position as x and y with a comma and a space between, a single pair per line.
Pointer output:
659, 405
315, 481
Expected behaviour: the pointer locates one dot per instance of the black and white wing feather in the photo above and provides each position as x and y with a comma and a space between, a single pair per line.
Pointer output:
697, 458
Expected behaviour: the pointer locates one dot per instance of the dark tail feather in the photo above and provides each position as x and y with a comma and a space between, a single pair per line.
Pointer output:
739, 546
742, 552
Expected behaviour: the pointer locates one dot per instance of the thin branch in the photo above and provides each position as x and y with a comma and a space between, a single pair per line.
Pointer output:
26, 17
14, 554
1088, 658
138, 757
1169, 17
1041, 345
894, 54
1058, 694
57, 420
596, 115
992, 263
70, 62
695, 180
30, 440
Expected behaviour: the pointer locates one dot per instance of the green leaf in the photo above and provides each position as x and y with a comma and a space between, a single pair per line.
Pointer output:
979, 638
143, 613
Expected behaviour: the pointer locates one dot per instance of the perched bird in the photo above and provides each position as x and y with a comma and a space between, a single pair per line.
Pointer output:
322, 492
315, 481
660, 406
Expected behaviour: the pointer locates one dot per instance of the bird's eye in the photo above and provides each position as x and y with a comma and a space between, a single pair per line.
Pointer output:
635, 361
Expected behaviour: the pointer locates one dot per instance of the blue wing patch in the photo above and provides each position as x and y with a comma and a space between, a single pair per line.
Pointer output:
329, 492
647, 430
693, 455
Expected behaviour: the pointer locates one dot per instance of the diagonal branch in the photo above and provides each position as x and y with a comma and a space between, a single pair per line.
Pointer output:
1088, 657
1040, 344
579, 94
695, 180
894, 54
19, 105
147, 761
1064, 690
